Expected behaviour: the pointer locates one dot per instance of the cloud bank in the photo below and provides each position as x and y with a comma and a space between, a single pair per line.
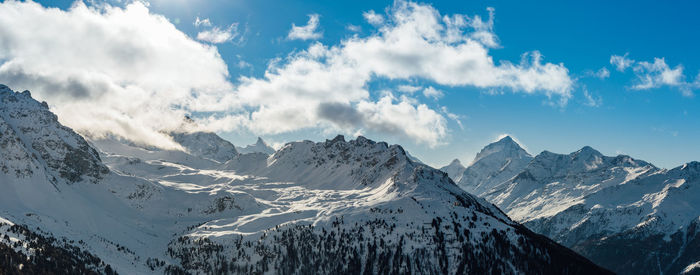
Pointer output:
123, 71
327, 85
131, 73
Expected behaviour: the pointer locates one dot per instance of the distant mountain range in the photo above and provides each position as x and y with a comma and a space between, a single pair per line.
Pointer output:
622, 213
70, 205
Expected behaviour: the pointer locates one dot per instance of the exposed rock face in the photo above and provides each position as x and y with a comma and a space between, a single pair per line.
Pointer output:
32, 138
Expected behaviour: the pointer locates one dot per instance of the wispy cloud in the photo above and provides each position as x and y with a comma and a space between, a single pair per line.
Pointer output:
433, 93
452, 116
309, 31
591, 100
202, 22
621, 62
602, 73
408, 88
216, 35
655, 74
373, 18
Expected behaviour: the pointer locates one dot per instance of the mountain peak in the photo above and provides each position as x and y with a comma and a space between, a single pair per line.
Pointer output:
338, 138
206, 145
587, 151
506, 147
455, 170
260, 146
38, 139
691, 167
506, 139
261, 142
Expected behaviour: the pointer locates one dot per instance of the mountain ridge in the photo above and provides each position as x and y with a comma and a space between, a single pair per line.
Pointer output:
311, 207
596, 204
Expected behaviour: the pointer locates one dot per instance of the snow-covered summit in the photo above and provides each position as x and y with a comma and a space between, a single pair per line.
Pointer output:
260, 146
356, 193
603, 205
504, 148
312, 207
495, 163
206, 145
455, 170
364, 196
33, 142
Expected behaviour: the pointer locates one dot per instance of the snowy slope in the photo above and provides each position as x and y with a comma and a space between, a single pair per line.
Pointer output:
553, 182
53, 180
312, 207
622, 213
651, 222
346, 206
259, 147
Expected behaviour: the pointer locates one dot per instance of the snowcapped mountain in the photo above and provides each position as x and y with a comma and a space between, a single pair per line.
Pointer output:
34, 143
312, 207
455, 170
259, 147
369, 205
206, 145
648, 223
622, 213
497, 162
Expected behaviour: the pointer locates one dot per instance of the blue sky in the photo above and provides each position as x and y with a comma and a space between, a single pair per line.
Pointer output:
614, 112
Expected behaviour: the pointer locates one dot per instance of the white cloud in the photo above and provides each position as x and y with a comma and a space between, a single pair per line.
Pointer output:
603, 73
452, 116
326, 86
373, 18
417, 43
133, 74
202, 22
216, 35
388, 116
242, 64
354, 28
306, 32
621, 62
105, 70
655, 74
408, 88
432, 93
